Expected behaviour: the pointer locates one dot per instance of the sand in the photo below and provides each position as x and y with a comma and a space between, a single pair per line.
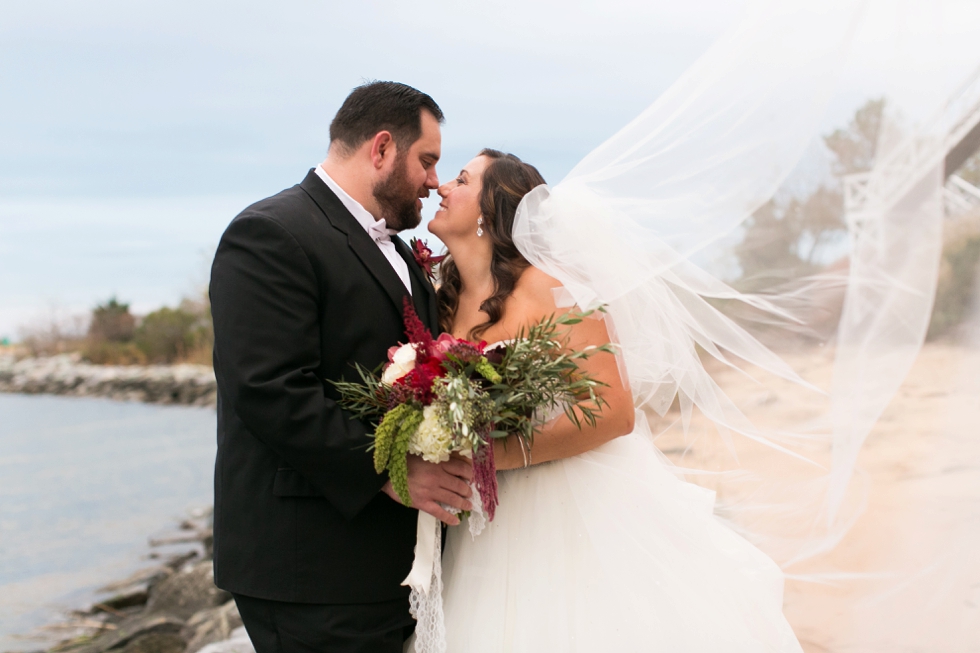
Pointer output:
906, 575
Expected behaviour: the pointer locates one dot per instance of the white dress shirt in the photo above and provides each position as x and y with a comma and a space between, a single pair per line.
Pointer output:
376, 229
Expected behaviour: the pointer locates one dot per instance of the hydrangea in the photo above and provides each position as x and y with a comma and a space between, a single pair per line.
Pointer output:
432, 440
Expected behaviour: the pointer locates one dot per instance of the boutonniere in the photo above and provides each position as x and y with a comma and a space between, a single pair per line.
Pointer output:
424, 257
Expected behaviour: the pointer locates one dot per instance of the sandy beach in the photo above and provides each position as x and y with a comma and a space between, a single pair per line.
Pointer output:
906, 576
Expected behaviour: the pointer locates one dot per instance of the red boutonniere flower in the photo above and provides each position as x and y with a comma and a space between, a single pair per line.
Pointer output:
424, 257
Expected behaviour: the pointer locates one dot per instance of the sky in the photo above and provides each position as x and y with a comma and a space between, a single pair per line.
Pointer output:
131, 133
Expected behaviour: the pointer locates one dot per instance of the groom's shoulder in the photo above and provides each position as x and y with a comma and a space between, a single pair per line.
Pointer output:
281, 206
290, 209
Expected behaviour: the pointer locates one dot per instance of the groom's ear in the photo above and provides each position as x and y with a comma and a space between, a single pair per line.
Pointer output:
383, 149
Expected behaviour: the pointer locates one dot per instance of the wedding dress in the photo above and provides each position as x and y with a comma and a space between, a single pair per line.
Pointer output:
609, 551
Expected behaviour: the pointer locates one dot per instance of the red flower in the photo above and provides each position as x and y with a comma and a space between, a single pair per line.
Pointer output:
442, 345
424, 257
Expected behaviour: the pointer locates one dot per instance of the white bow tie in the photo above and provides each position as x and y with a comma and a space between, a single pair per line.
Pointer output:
379, 232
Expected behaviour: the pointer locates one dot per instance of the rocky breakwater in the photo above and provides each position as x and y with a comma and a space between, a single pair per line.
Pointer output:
170, 607
66, 374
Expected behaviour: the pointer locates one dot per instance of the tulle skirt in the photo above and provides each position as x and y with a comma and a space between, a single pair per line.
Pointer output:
609, 551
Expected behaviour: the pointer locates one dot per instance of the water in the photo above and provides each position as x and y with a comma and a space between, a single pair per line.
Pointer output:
83, 483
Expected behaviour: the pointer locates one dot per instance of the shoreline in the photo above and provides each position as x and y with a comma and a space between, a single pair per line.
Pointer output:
66, 375
169, 605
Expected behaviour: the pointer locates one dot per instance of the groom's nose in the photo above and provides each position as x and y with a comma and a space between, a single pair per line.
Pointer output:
432, 179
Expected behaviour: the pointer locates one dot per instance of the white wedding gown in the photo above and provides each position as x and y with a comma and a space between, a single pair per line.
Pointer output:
609, 551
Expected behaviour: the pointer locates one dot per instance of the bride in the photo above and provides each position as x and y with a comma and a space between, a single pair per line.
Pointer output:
596, 545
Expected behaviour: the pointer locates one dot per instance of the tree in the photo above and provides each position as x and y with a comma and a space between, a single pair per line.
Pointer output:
112, 322
789, 238
855, 146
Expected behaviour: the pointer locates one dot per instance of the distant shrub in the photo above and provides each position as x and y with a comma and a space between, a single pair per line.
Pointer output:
167, 334
110, 336
104, 352
112, 322
957, 285
202, 333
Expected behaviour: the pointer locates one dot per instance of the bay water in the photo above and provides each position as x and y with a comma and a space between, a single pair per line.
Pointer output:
83, 484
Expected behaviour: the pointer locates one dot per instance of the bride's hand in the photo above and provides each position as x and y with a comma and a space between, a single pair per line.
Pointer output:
430, 485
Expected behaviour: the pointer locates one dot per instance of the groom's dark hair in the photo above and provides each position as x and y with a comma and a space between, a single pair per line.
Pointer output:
382, 106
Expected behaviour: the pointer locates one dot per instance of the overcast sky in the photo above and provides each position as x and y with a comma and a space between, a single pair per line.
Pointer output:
132, 132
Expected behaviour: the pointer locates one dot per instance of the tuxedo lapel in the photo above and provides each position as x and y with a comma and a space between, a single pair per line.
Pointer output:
359, 241
423, 294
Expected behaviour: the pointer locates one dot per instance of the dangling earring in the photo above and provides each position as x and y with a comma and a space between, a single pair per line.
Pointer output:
479, 227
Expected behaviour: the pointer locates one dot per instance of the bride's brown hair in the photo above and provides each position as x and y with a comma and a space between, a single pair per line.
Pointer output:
506, 180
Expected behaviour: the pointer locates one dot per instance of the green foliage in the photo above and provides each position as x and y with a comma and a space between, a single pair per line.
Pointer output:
466, 404
538, 376
398, 463
167, 334
957, 283
384, 435
112, 322
391, 440
202, 334
485, 369
364, 399
104, 352
110, 336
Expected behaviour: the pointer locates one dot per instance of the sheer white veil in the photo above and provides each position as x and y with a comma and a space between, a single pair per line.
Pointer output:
629, 225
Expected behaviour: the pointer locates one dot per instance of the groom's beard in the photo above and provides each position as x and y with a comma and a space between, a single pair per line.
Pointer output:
397, 199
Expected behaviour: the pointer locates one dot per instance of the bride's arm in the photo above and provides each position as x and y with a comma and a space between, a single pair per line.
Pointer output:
561, 438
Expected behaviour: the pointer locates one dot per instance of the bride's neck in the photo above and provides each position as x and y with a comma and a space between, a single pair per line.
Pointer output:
472, 260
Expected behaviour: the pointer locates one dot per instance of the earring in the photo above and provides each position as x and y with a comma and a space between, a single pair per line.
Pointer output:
479, 227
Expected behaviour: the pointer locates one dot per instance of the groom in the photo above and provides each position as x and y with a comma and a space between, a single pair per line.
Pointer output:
310, 540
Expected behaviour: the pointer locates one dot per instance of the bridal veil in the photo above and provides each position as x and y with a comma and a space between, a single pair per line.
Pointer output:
767, 395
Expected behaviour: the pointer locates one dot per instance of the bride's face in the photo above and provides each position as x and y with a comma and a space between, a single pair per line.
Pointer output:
460, 206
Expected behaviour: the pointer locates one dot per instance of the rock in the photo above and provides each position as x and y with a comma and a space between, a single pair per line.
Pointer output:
130, 592
186, 592
130, 629
177, 561
65, 374
155, 643
145, 576
208, 626
131, 597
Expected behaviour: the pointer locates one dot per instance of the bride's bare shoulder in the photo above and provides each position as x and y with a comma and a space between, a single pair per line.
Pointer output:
534, 293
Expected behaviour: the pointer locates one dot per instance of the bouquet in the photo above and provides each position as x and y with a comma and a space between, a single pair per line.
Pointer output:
445, 395
440, 396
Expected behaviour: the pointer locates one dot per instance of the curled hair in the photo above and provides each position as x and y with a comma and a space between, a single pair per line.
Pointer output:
506, 180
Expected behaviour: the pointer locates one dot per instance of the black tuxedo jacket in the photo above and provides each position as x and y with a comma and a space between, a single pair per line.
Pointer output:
299, 293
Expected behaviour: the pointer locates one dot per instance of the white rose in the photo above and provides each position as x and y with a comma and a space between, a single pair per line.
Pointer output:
402, 362
432, 440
